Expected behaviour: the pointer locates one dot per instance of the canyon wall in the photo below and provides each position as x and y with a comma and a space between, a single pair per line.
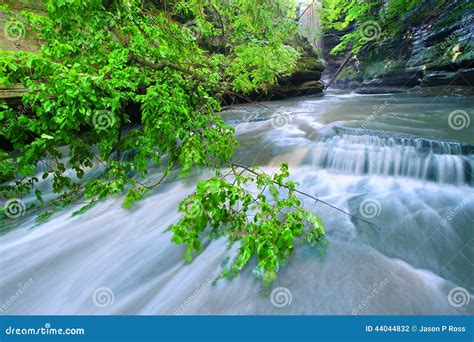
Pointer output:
435, 50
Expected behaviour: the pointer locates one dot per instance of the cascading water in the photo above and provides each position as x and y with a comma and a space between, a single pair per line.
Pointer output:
442, 162
413, 247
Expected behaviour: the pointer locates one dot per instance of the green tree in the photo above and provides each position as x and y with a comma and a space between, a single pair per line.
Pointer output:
173, 60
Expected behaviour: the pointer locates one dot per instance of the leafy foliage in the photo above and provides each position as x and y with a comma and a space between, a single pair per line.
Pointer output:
114, 78
266, 222
98, 57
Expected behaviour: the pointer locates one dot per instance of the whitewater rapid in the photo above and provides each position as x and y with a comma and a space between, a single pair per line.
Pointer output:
417, 250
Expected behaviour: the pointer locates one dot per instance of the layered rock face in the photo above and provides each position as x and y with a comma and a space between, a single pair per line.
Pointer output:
443, 50
304, 81
436, 50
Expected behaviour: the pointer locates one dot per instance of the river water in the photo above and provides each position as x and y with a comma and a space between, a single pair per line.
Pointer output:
403, 163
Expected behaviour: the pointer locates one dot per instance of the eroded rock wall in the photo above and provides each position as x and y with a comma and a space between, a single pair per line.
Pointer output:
435, 50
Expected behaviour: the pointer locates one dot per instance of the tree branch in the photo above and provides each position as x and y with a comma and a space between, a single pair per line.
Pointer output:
142, 61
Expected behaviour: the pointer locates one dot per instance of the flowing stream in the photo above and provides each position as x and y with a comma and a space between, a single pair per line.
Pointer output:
401, 162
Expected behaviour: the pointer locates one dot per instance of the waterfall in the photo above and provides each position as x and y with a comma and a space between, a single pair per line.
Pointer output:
412, 157
310, 22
